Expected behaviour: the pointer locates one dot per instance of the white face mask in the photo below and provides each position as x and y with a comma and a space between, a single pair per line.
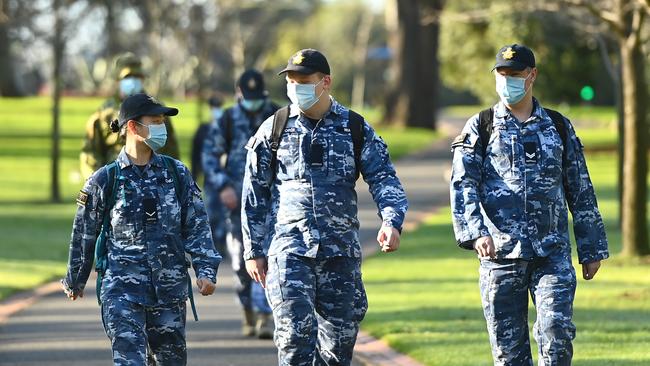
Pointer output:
304, 95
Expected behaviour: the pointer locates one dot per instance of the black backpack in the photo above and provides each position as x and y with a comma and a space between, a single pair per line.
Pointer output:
486, 118
281, 117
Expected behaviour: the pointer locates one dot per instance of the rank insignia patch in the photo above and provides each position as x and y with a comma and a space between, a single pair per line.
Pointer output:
82, 198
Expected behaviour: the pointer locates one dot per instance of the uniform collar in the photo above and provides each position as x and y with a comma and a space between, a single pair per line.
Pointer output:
124, 161
335, 108
502, 112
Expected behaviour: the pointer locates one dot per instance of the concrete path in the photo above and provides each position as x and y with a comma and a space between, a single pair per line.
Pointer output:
55, 331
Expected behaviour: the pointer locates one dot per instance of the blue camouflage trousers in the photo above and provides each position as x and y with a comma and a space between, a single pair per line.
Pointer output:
505, 284
317, 304
138, 332
250, 293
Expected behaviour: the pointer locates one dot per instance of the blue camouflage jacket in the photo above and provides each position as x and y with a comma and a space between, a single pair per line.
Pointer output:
243, 127
312, 211
518, 192
146, 252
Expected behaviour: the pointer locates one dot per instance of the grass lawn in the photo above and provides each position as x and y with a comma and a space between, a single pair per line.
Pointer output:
424, 299
35, 233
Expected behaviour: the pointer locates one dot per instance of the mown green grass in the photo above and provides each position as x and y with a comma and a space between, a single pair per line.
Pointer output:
596, 126
35, 233
424, 299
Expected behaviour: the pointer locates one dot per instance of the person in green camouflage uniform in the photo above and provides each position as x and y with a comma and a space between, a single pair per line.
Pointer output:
101, 145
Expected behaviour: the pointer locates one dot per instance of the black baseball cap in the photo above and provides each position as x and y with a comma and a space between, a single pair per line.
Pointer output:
516, 57
139, 105
307, 61
251, 84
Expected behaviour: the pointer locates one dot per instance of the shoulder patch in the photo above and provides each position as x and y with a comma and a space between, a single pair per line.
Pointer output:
82, 198
252, 143
464, 140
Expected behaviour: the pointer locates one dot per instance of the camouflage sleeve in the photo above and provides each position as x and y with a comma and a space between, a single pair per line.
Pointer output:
93, 150
85, 229
588, 225
171, 147
256, 196
213, 149
466, 173
196, 235
378, 171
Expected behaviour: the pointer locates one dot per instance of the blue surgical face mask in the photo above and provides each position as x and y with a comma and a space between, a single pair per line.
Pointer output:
252, 105
130, 86
304, 95
216, 113
511, 89
157, 136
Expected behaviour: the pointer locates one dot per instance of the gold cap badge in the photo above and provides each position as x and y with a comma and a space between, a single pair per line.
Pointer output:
508, 54
298, 58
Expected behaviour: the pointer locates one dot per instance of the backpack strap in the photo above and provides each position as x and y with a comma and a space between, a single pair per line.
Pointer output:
170, 164
357, 130
280, 118
101, 251
485, 118
560, 126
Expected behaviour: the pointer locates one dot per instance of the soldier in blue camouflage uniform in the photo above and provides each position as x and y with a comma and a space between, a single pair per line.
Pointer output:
509, 201
216, 210
145, 285
227, 137
306, 206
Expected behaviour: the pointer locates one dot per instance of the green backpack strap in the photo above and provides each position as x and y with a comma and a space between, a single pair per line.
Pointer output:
101, 251
170, 164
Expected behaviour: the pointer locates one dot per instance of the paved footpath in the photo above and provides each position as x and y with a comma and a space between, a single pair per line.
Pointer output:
55, 331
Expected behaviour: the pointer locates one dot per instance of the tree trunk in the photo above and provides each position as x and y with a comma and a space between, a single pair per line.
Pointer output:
635, 168
414, 71
57, 49
8, 82
360, 54
112, 39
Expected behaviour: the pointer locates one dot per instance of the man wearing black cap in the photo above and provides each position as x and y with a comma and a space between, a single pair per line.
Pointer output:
101, 145
137, 217
299, 196
517, 168
227, 137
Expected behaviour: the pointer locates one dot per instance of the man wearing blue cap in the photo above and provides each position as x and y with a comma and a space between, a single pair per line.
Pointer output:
227, 137
299, 196
137, 217
518, 168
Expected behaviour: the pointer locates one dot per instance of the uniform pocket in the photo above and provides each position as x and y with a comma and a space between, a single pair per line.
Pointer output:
273, 286
289, 155
501, 152
340, 159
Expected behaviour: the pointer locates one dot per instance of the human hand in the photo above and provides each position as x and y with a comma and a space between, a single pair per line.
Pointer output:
589, 270
72, 295
206, 287
484, 247
229, 197
388, 238
256, 268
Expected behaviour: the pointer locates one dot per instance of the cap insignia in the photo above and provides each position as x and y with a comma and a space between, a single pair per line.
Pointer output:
298, 58
508, 54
